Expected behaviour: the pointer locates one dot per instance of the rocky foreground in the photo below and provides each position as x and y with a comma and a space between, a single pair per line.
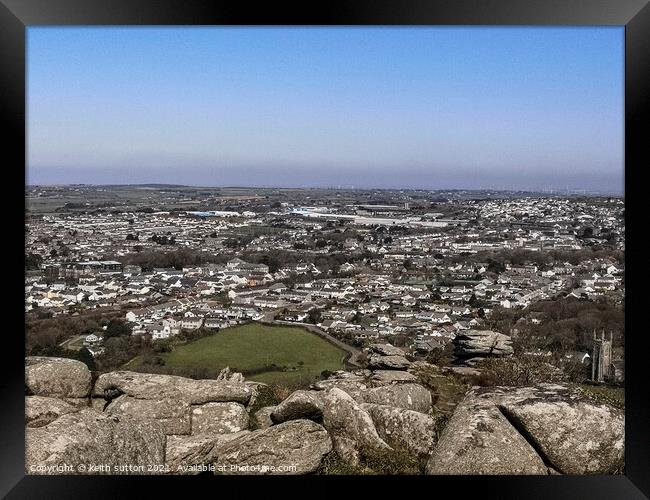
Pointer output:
136, 423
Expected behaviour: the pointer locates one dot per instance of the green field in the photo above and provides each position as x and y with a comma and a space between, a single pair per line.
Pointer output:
256, 347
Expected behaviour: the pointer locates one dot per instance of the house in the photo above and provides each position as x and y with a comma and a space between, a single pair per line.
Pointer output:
579, 293
507, 303
294, 315
461, 311
278, 288
91, 339
474, 322
440, 318
239, 265
94, 352
192, 322
157, 330
331, 324
346, 267
268, 303
216, 322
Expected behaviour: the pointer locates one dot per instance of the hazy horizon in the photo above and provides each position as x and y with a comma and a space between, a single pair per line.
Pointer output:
576, 191
510, 108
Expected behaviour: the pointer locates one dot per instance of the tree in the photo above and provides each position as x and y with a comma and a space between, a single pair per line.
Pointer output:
588, 232
33, 261
86, 357
496, 267
117, 328
314, 316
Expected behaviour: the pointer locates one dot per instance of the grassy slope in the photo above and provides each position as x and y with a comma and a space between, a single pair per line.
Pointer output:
254, 346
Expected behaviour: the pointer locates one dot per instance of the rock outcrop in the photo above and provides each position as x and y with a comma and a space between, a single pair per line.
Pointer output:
219, 418
300, 404
472, 345
386, 350
391, 376
408, 396
230, 376
404, 429
136, 420
56, 377
354, 387
478, 439
387, 357
172, 415
151, 386
80, 439
40, 410
188, 454
350, 426
263, 417
295, 447
506, 430
388, 362
571, 431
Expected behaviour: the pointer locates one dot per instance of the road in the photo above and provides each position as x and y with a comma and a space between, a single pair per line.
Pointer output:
73, 343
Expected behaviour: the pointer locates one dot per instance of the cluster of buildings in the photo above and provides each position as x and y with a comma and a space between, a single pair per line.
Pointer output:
410, 268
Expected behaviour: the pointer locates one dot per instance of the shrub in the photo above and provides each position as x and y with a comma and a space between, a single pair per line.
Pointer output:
153, 360
388, 462
333, 465
162, 345
441, 356
517, 371
117, 328
394, 462
280, 392
613, 396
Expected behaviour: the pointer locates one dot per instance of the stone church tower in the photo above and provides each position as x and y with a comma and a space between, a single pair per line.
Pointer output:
601, 361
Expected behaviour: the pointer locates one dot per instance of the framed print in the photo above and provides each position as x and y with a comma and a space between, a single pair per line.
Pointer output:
363, 242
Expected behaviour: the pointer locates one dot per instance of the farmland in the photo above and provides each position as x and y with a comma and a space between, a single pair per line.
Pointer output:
269, 354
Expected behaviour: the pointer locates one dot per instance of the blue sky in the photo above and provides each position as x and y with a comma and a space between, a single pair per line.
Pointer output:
439, 107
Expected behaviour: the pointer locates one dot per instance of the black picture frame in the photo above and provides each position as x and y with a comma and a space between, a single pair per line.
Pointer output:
17, 15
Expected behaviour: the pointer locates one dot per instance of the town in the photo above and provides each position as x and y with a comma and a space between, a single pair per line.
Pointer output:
412, 268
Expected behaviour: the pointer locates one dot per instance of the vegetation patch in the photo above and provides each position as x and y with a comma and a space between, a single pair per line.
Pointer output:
520, 371
613, 396
269, 354
389, 462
